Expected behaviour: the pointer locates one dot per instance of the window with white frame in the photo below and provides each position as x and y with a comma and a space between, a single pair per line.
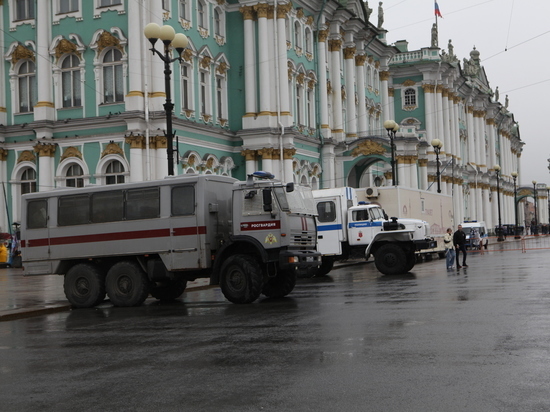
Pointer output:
74, 176
28, 181
70, 81
27, 89
184, 10
409, 97
311, 107
309, 41
202, 14
221, 97
186, 87
67, 6
203, 84
299, 102
113, 82
107, 3
297, 35
219, 22
114, 173
24, 10
166, 5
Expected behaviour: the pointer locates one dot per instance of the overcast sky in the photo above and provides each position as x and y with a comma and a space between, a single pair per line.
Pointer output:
513, 38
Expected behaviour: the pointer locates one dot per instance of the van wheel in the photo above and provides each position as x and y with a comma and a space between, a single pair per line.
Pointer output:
327, 263
411, 261
84, 286
390, 259
127, 284
281, 285
168, 291
241, 279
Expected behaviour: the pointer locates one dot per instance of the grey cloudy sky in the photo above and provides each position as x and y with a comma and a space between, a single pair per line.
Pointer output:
513, 38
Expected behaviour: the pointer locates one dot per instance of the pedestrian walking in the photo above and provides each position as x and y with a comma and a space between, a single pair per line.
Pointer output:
459, 240
449, 249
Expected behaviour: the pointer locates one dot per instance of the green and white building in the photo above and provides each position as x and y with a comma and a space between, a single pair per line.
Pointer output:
300, 89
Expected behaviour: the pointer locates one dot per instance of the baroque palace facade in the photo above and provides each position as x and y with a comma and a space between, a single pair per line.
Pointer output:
301, 89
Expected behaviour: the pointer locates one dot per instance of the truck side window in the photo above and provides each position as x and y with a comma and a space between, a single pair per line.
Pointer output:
327, 211
142, 203
73, 210
37, 214
183, 200
360, 215
108, 206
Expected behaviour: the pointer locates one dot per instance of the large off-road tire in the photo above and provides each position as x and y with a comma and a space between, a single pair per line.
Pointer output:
127, 284
84, 285
391, 259
327, 263
241, 279
280, 285
168, 291
411, 261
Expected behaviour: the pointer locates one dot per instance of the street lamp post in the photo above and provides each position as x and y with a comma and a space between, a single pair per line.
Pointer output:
516, 234
392, 127
536, 229
500, 237
437, 145
178, 41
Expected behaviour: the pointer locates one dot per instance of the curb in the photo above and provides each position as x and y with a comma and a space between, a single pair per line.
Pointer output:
27, 313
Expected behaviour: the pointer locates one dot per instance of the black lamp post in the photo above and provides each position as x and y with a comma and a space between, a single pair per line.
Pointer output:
392, 128
516, 234
535, 202
500, 237
437, 145
178, 41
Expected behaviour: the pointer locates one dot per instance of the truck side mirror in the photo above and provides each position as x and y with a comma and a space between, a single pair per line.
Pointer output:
268, 200
290, 187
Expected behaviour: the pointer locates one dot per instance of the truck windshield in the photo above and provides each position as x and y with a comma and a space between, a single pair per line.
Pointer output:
298, 201
376, 213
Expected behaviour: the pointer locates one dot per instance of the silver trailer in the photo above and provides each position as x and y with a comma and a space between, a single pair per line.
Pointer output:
126, 241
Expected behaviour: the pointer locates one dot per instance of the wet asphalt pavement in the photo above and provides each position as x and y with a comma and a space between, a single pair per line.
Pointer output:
477, 339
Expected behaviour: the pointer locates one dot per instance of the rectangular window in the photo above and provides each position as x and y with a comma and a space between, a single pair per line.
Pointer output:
107, 206
105, 3
183, 9
183, 200
203, 92
73, 210
219, 97
24, 9
37, 214
67, 6
327, 211
185, 89
142, 204
166, 5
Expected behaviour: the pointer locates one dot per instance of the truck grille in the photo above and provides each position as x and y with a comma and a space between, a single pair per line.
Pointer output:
303, 239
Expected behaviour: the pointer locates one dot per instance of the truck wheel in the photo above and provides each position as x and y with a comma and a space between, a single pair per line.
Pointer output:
127, 284
390, 259
241, 279
327, 264
411, 261
168, 291
84, 286
281, 285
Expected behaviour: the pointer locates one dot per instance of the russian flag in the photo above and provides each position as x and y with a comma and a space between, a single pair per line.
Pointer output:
437, 12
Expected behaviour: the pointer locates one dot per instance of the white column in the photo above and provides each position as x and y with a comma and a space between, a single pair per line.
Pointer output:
4, 227
3, 110
423, 171
362, 115
288, 156
349, 66
249, 66
323, 97
329, 173
250, 160
335, 50
156, 71
282, 56
263, 60
430, 119
486, 206
137, 145
45, 108
384, 96
471, 135
46, 153
493, 221
136, 48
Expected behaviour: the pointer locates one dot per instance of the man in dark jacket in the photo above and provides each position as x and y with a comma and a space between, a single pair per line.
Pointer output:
459, 239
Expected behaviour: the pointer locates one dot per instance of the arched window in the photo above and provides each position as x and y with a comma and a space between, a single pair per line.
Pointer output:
74, 176
70, 79
217, 23
27, 86
113, 86
297, 35
184, 10
186, 87
28, 181
114, 173
201, 14
309, 42
410, 97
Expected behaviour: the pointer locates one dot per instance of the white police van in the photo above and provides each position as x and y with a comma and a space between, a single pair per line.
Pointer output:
474, 242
